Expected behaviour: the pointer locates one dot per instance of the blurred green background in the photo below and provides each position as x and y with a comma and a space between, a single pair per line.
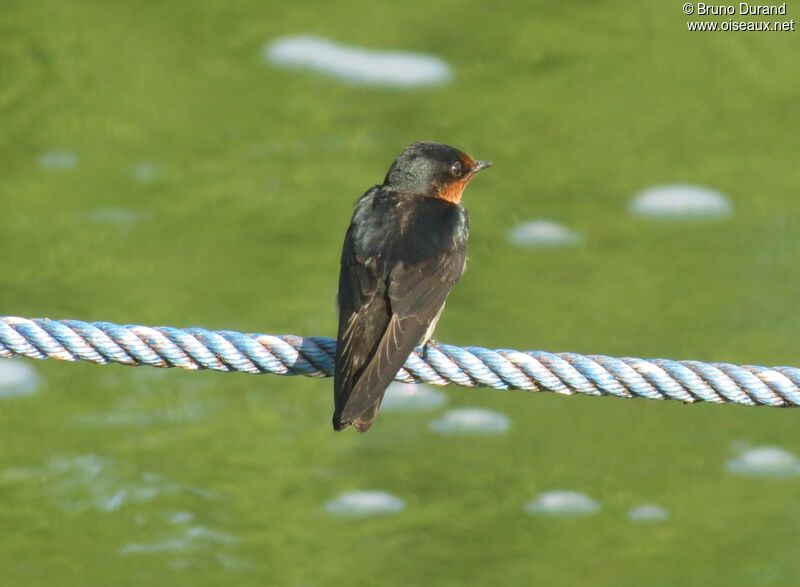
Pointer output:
213, 189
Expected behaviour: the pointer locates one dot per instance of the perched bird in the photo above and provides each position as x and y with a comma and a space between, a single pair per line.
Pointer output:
404, 250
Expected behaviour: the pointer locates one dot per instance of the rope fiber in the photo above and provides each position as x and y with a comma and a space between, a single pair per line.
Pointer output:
438, 364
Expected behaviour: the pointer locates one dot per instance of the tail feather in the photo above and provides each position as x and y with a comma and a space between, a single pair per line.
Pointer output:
339, 425
362, 423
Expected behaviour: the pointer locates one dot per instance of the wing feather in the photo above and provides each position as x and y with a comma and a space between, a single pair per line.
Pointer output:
416, 295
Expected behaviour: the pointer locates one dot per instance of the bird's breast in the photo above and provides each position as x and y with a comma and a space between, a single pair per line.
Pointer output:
409, 228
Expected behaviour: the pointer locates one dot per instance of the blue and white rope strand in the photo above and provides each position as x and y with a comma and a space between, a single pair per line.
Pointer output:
565, 373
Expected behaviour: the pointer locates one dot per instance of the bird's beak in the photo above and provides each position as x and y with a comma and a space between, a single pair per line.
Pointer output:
481, 165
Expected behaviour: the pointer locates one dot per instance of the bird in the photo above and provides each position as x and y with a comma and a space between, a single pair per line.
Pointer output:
404, 250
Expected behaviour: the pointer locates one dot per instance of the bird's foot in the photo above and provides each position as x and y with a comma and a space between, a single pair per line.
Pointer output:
431, 342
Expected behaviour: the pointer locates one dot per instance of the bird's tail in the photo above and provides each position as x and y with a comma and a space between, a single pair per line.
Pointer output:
362, 423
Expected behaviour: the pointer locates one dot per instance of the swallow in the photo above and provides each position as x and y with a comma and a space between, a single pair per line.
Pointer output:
405, 249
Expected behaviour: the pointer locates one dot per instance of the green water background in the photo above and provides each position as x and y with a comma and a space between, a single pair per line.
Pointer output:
254, 171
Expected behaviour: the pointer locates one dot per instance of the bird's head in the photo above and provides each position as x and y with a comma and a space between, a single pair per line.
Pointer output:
433, 169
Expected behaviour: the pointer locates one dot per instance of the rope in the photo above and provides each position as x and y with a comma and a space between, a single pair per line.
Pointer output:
440, 364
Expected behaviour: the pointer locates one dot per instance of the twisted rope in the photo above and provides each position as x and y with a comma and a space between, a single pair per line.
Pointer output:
565, 373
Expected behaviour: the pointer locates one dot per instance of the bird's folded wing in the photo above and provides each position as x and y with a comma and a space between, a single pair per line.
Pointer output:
415, 295
363, 317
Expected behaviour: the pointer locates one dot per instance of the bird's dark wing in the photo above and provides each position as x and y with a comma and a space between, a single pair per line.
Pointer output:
363, 317
382, 323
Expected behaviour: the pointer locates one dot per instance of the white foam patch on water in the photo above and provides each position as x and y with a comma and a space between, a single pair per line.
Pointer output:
562, 503
765, 461
681, 201
117, 217
191, 538
181, 517
408, 397
365, 503
232, 562
358, 65
90, 481
648, 512
17, 378
146, 172
203, 533
58, 160
471, 421
129, 415
113, 419
145, 406
542, 234
170, 544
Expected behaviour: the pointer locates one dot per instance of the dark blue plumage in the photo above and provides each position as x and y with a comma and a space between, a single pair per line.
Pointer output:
403, 252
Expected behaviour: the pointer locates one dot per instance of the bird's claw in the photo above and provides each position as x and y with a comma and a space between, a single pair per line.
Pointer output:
430, 343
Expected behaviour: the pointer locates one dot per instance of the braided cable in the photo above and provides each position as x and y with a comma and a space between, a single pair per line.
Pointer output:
439, 364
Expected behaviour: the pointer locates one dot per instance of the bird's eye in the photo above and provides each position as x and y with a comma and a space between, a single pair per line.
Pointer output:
456, 169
